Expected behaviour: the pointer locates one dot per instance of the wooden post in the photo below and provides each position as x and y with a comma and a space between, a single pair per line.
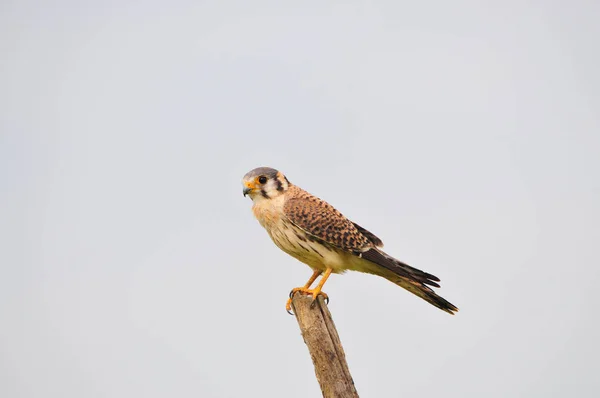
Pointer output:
321, 337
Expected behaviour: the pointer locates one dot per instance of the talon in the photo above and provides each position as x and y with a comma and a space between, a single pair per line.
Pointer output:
320, 293
317, 294
313, 292
288, 306
304, 290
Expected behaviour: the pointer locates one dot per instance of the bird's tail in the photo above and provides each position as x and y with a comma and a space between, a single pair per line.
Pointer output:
423, 291
410, 278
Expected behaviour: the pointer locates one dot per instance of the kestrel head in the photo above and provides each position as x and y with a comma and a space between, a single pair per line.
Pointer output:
264, 182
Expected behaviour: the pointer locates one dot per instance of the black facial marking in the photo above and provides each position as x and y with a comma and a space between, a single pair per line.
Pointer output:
279, 185
264, 194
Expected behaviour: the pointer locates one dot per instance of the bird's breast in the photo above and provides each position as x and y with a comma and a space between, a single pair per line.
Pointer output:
268, 212
292, 240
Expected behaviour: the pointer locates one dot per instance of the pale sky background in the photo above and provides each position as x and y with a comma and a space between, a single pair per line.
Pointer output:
465, 134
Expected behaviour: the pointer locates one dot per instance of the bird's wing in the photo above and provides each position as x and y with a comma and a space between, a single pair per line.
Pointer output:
375, 240
321, 220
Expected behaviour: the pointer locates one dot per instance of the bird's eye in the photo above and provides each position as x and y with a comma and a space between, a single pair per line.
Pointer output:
262, 179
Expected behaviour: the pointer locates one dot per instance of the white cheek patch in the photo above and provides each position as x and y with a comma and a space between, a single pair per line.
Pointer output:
271, 189
270, 186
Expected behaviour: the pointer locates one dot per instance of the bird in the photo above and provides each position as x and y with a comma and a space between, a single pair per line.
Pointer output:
314, 232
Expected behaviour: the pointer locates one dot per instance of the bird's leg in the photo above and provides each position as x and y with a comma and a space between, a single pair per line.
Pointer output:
317, 290
313, 277
303, 289
307, 290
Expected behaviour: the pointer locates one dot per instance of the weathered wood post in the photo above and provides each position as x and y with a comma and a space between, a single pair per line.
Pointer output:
326, 351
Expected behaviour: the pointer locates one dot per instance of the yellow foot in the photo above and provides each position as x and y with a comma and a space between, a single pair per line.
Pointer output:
303, 290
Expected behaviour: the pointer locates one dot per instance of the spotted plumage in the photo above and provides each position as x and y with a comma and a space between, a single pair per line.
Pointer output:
323, 221
314, 232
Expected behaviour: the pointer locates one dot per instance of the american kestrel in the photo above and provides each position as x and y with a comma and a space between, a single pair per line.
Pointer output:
314, 232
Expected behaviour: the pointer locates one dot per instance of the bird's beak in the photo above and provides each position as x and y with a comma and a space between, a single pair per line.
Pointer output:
248, 187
